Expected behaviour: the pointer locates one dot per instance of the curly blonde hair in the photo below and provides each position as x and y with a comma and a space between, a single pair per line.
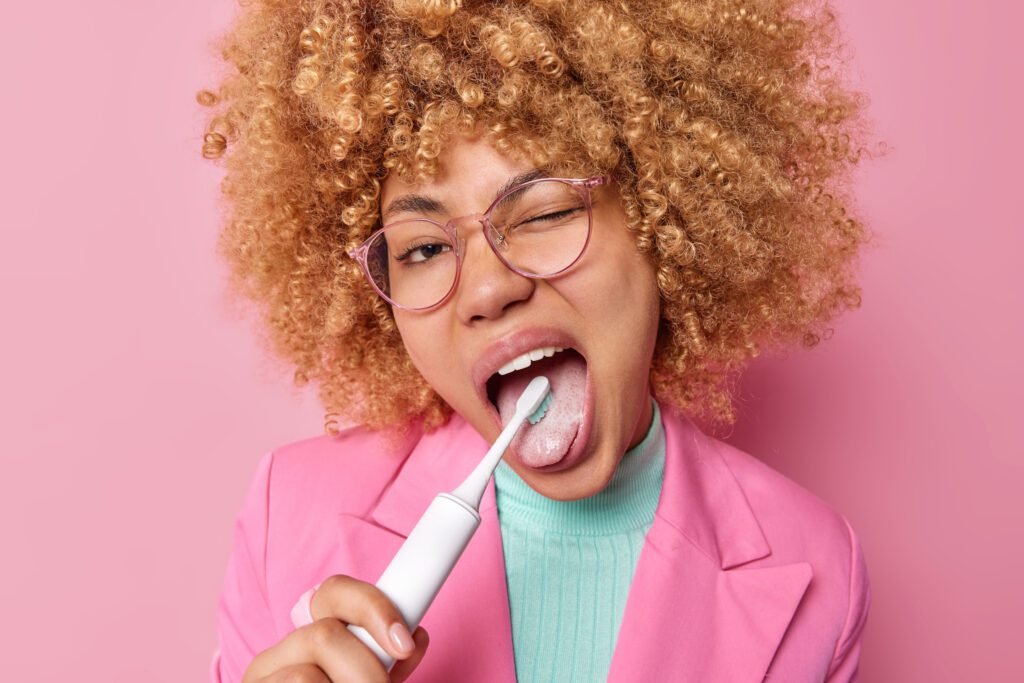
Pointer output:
726, 122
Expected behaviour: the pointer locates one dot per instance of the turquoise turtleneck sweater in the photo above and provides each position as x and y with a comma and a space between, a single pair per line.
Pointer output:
569, 564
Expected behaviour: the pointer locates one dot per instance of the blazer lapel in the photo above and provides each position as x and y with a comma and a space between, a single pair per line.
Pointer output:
472, 606
694, 613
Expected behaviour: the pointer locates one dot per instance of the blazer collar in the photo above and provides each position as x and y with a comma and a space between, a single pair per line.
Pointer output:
700, 497
439, 462
702, 500
693, 607
697, 609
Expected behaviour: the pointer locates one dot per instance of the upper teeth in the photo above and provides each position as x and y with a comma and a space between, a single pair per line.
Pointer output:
524, 361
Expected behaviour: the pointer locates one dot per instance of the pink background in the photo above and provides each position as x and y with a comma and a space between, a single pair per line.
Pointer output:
134, 402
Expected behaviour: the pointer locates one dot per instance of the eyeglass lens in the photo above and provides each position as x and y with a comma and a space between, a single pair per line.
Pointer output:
539, 229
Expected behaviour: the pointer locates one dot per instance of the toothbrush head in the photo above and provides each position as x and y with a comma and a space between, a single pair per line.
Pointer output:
531, 405
531, 399
537, 415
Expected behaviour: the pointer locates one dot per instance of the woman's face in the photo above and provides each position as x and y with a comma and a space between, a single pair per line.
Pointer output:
604, 310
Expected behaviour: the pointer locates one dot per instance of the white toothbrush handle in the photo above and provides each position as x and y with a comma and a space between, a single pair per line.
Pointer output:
423, 563
472, 489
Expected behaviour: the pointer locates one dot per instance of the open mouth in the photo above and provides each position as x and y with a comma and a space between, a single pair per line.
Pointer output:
550, 440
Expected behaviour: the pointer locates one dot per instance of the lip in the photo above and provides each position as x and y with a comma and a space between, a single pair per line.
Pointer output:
517, 343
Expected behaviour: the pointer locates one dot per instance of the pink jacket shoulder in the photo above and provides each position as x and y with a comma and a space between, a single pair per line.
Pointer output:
801, 527
313, 479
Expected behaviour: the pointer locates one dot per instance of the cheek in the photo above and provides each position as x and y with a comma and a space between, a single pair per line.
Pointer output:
623, 278
628, 290
648, 295
417, 337
632, 308
428, 341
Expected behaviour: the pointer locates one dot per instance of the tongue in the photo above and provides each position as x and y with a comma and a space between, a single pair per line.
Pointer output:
548, 441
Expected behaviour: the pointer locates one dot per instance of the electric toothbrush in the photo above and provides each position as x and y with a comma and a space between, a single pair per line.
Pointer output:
429, 553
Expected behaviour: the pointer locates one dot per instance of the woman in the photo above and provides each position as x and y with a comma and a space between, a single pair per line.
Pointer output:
435, 202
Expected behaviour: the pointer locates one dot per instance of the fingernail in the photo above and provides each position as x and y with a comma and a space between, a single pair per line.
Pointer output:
401, 638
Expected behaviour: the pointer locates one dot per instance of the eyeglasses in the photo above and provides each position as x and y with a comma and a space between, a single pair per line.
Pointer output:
538, 229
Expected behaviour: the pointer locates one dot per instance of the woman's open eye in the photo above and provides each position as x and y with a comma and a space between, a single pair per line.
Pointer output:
421, 253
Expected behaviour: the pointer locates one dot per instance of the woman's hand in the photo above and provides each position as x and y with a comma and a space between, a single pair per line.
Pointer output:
327, 652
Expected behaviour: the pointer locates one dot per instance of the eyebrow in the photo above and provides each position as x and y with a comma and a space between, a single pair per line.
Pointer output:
419, 203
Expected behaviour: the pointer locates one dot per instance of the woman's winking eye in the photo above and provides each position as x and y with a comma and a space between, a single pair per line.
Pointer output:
541, 218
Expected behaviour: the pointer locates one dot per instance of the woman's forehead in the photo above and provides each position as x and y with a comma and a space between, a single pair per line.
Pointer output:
469, 168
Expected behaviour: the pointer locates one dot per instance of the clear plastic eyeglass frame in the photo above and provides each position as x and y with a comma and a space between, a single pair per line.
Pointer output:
492, 236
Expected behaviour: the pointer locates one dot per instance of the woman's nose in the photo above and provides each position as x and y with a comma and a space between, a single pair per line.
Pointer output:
486, 287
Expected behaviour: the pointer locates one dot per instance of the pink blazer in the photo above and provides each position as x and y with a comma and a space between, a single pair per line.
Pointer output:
743, 576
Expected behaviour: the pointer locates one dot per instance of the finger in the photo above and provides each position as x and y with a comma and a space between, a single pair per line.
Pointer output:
357, 602
327, 644
297, 673
403, 668
299, 614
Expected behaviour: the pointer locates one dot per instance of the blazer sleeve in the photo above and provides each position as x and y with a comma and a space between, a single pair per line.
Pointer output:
244, 624
845, 661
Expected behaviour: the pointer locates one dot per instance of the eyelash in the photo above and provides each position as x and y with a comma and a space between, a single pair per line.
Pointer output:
412, 248
555, 215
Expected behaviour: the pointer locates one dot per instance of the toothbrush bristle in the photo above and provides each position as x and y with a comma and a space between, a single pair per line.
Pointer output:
538, 414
